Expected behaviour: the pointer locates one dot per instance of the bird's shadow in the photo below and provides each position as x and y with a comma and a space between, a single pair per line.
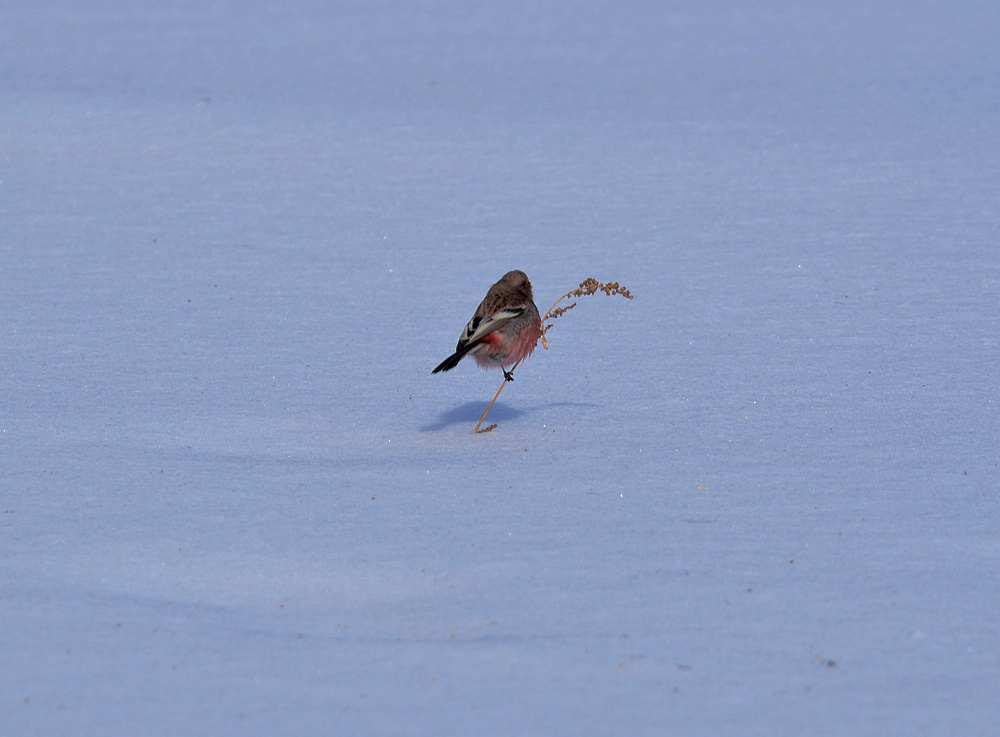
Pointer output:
472, 411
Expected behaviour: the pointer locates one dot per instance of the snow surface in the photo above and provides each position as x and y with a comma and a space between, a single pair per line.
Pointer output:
759, 499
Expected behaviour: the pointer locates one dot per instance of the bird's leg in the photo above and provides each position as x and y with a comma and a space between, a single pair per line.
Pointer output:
509, 375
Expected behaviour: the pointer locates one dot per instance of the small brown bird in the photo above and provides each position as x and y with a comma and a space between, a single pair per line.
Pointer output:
503, 331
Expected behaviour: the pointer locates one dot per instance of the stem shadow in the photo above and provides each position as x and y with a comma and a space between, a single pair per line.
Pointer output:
470, 412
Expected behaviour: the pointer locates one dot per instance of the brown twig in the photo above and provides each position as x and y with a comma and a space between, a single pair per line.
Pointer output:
505, 380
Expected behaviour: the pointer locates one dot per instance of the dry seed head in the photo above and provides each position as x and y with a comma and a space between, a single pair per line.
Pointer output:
587, 287
555, 313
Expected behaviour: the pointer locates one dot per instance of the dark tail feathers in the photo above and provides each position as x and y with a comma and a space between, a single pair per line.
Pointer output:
452, 361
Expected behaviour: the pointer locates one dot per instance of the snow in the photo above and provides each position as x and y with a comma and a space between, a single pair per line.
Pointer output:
759, 499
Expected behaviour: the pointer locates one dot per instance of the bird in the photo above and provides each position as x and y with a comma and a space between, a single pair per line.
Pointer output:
504, 329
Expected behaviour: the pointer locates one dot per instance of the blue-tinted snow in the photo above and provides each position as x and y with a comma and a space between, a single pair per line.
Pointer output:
760, 499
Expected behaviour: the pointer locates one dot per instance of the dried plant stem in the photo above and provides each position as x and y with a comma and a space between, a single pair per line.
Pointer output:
495, 396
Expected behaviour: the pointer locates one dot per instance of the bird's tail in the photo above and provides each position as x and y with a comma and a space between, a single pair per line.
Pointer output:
452, 361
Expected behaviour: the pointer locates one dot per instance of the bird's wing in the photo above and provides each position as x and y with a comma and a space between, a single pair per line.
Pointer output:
481, 326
